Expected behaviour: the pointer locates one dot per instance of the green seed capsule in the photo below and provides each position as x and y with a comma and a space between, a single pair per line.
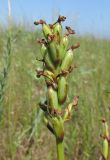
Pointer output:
108, 152
52, 98
105, 149
65, 42
58, 31
58, 127
43, 50
57, 28
53, 52
48, 62
62, 47
67, 61
61, 51
62, 90
46, 30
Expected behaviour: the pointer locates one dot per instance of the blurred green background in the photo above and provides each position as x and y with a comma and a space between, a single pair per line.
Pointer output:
22, 133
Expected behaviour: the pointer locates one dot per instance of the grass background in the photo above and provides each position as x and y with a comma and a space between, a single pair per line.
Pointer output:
22, 133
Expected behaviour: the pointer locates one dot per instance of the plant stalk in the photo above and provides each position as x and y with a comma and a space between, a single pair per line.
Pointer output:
60, 149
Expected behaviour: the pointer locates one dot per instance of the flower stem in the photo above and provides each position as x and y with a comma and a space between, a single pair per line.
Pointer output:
60, 149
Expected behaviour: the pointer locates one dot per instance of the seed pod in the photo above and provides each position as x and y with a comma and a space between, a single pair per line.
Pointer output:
61, 51
67, 61
46, 30
105, 149
57, 123
57, 28
53, 52
109, 152
45, 27
52, 98
65, 42
48, 62
58, 31
43, 50
62, 47
62, 90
